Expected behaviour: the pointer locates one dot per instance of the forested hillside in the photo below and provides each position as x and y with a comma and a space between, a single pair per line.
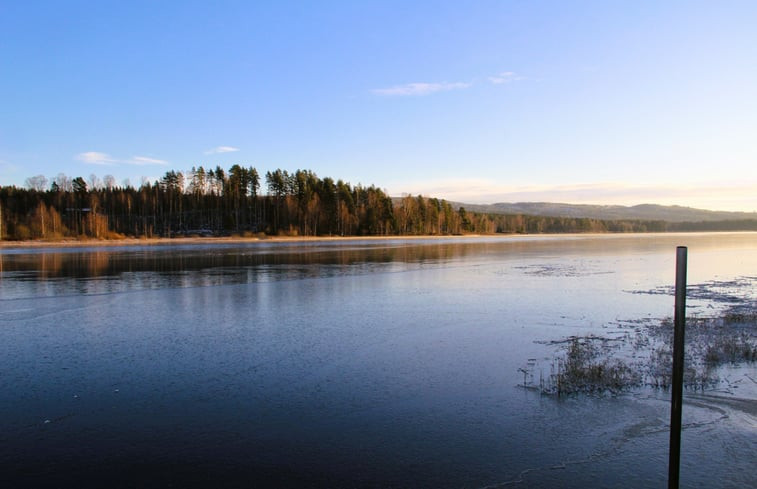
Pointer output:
216, 202
646, 212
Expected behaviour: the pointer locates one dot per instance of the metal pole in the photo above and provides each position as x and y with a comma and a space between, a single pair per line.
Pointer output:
677, 394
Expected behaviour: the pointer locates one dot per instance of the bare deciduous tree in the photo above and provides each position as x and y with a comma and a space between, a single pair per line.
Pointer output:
37, 182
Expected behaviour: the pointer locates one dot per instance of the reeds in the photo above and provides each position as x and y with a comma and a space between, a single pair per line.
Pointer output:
587, 367
611, 365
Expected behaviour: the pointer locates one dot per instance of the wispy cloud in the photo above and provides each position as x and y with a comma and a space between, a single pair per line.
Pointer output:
98, 158
221, 149
144, 160
419, 89
505, 77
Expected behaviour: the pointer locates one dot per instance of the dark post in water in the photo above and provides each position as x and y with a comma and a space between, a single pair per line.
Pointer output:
679, 320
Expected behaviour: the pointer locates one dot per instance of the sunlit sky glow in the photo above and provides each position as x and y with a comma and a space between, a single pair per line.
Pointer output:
482, 102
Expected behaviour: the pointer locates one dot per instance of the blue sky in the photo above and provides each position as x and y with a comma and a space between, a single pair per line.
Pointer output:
485, 101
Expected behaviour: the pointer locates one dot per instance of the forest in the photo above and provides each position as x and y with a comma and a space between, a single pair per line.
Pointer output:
216, 202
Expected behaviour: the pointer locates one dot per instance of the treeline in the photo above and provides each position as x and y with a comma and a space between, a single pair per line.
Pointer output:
216, 202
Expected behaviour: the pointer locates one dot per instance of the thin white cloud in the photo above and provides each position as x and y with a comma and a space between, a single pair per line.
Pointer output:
95, 158
144, 160
419, 89
505, 77
98, 158
221, 149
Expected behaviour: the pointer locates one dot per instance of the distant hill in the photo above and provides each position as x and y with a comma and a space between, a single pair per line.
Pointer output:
647, 212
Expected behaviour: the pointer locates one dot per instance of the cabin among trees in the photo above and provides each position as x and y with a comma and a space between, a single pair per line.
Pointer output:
215, 202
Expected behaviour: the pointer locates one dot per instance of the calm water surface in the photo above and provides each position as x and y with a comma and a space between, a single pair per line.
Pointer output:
349, 364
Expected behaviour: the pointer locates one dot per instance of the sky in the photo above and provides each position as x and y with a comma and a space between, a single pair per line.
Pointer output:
593, 102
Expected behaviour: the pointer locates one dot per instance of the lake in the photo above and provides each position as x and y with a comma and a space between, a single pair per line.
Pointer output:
355, 363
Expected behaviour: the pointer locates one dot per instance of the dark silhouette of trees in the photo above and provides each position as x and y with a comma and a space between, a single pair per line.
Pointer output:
214, 202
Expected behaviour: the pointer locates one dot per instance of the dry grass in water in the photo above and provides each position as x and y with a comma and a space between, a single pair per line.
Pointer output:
643, 357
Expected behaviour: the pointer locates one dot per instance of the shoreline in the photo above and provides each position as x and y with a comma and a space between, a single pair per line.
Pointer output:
133, 242
126, 242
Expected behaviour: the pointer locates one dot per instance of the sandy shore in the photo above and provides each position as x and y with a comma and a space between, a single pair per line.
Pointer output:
88, 243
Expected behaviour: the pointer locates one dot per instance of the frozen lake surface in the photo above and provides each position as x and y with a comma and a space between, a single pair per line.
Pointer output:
363, 363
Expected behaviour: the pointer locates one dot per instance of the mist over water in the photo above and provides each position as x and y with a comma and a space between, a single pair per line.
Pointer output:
350, 364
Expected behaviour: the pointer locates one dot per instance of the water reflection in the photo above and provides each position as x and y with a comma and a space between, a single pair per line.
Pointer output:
42, 264
95, 270
98, 271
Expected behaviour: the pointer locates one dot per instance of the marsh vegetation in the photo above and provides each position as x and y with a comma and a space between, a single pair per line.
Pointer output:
639, 353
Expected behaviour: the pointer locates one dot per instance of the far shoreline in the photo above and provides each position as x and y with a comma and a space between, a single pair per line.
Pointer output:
134, 242
127, 242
